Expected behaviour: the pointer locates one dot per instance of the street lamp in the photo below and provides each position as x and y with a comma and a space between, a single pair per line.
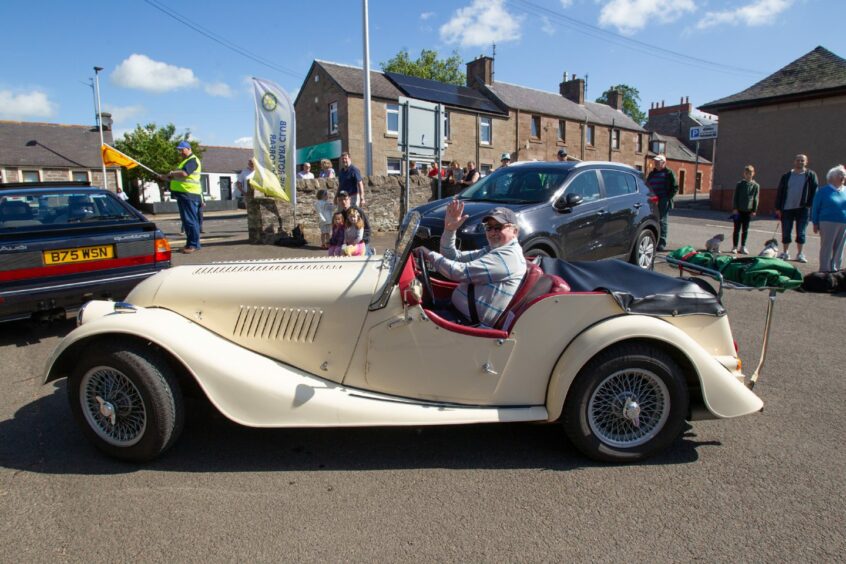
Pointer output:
100, 120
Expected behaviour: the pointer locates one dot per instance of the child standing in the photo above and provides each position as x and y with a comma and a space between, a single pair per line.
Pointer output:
353, 234
745, 206
336, 241
324, 209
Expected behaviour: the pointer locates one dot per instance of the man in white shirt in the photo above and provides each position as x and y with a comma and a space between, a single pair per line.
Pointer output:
306, 173
242, 185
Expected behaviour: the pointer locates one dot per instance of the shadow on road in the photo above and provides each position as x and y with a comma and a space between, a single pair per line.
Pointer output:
42, 437
23, 333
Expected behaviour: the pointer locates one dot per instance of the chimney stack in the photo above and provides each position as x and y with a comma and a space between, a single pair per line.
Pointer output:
573, 90
615, 99
480, 71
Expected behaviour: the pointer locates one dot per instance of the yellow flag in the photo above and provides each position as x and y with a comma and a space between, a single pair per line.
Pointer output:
113, 157
274, 146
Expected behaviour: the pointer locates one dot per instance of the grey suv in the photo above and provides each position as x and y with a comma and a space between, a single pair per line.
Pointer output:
574, 211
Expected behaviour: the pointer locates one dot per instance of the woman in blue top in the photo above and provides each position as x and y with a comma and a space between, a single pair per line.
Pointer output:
828, 214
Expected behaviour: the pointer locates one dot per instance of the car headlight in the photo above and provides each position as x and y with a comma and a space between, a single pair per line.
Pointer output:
100, 308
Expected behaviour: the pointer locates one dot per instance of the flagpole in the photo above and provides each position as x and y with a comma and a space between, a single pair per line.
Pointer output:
145, 167
368, 133
100, 119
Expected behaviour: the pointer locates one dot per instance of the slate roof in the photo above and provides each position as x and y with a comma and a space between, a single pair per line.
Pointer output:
554, 104
225, 160
676, 150
350, 80
817, 73
50, 145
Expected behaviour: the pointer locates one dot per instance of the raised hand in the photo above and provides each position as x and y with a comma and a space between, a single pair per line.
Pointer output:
454, 217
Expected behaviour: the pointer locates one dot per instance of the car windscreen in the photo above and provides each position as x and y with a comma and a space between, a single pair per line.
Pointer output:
517, 185
395, 260
57, 209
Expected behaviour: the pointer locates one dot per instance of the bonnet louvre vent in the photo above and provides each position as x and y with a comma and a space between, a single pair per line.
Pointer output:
278, 323
266, 267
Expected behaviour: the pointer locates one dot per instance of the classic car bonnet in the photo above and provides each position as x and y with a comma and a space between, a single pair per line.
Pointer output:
317, 303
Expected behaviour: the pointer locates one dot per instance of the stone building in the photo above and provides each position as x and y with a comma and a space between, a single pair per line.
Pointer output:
677, 120
484, 119
43, 152
795, 110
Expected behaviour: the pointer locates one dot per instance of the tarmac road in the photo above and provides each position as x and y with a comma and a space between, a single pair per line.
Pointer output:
757, 489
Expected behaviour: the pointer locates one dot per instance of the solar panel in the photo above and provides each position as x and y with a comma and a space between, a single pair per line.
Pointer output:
439, 92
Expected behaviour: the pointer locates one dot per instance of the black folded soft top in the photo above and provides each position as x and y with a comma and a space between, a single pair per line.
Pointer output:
638, 290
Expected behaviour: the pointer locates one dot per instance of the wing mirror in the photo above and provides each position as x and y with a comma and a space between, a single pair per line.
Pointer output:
569, 201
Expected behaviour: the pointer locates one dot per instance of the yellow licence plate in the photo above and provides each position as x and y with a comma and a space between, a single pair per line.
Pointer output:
80, 254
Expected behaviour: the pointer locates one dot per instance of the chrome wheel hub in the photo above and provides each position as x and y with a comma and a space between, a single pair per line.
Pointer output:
629, 408
646, 252
112, 406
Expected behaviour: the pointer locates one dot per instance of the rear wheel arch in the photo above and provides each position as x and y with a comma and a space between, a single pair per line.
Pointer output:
546, 248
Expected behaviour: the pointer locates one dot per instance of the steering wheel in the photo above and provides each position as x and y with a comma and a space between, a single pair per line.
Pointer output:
428, 294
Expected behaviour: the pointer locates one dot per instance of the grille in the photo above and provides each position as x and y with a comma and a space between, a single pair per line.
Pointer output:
266, 267
298, 325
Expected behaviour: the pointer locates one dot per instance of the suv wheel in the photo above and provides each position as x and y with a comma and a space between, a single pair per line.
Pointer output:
643, 253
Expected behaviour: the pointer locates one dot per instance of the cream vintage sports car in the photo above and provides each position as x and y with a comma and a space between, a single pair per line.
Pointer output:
617, 355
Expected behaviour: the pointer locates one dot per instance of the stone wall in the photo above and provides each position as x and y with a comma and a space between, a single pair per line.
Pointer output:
267, 218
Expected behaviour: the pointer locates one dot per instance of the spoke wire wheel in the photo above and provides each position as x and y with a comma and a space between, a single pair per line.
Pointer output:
113, 406
629, 408
645, 252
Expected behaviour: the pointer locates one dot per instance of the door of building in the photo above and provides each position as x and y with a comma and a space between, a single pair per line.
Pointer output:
682, 175
225, 188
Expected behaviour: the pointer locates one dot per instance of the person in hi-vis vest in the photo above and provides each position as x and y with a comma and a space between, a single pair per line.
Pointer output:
185, 187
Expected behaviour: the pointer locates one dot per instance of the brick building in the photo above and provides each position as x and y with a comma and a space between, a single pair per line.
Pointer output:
794, 110
43, 152
677, 120
485, 119
682, 161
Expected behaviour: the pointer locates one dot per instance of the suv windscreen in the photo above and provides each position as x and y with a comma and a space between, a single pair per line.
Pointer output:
517, 185
46, 209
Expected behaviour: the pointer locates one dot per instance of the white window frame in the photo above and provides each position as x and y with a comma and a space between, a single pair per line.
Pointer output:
23, 177
590, 136
485, 123
562, 130
85, 172
333, 118
485, 170
446, 126
615, 139
535, 129
638, 142
391, 110
397, 168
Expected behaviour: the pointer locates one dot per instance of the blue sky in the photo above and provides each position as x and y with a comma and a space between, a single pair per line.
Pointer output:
157, 69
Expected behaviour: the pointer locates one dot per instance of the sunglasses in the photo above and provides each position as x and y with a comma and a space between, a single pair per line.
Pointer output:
496, 228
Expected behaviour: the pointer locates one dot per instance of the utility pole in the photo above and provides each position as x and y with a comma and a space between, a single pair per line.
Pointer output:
100, 120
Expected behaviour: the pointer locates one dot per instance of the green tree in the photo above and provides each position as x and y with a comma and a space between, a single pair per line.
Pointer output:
155, 147
631, 101
428, 66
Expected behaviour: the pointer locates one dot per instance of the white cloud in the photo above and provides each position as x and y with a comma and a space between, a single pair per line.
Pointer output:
25, 105
426, 15
759, 12
546, 26
218, 89
629, 16
480, 24
121, 114
143, 73
243, 142
566, 3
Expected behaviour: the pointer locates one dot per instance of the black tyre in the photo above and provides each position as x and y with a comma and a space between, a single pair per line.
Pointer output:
643, 253
627, 403
537, 252
127, 400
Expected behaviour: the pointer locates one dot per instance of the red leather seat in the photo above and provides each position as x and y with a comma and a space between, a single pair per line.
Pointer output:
535, 285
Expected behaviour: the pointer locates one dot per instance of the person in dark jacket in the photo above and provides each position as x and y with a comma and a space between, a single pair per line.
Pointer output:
662, 182
794, 198
745, 206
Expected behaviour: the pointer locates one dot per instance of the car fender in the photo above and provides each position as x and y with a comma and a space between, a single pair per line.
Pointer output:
542, 241
723, 393
257, 391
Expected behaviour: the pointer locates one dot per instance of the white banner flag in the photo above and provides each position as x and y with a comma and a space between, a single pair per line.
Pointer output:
274, 143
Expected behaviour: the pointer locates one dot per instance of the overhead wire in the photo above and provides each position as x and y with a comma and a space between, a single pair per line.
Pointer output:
635, 44
221, 41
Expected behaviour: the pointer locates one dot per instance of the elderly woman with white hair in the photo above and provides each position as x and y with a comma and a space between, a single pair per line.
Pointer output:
828, 215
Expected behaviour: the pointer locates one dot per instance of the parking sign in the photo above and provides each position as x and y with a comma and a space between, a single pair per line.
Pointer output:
703, 132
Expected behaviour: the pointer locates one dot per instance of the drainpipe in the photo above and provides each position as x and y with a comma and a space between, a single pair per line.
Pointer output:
584, 136
517, 137
611, 139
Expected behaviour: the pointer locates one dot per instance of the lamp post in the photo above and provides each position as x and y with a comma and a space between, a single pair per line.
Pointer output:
100, 120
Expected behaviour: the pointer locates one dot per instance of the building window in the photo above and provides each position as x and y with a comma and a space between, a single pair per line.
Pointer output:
30, 176
446, 126
79, 176
392, 119
615, 139
204, 183
562, 131
536, 127
485, 169
659, 147
394, 166
589, 132
639, 143
333, 117
485, 131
